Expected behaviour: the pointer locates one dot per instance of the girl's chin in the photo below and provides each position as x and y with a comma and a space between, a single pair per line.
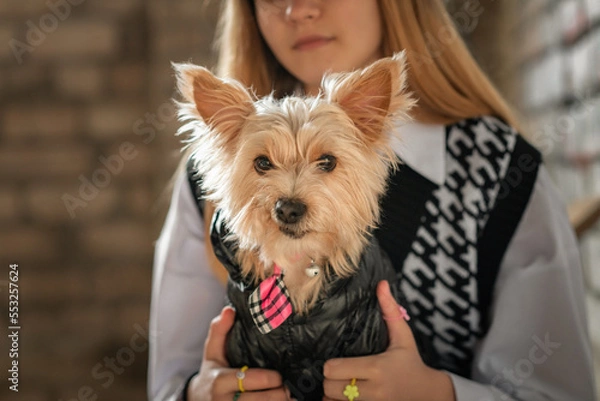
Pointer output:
312, 90
312, 84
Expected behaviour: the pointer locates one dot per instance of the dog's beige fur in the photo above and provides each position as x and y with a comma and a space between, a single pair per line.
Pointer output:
351, 120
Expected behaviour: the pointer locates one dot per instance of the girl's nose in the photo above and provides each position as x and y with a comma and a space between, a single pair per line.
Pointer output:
302, 10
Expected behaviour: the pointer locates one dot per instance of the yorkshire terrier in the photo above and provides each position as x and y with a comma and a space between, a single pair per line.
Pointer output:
296, 184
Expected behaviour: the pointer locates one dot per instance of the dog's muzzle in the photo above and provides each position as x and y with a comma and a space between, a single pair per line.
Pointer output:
289, 211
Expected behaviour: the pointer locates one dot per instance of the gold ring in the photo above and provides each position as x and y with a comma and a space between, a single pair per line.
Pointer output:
241, 374
351, 390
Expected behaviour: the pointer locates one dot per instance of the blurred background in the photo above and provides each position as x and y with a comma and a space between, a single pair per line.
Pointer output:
87, 149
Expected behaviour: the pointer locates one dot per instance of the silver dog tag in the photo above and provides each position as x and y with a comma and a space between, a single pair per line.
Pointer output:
313, 270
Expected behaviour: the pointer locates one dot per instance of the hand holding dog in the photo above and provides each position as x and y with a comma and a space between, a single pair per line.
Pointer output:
216, 381
397, 374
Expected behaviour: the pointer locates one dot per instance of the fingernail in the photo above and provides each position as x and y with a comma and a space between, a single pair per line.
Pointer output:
334, 362
387, 287
404, 313
329, 364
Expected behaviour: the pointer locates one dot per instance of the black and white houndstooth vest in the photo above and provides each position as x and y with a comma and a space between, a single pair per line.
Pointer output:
447, 241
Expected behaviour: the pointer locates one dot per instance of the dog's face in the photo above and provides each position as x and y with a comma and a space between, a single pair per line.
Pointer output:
297, 176
302, 178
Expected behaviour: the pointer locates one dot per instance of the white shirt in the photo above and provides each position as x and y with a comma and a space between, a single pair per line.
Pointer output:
540, 353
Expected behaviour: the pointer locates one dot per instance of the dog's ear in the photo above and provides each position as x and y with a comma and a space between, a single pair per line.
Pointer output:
222, 104
373, 95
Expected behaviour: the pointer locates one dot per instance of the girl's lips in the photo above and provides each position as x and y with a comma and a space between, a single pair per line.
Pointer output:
311, 42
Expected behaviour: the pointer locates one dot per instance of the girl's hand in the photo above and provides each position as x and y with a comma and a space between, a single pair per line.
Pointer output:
397, 374
216, 381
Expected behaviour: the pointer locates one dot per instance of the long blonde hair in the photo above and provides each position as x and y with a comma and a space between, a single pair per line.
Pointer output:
447, 81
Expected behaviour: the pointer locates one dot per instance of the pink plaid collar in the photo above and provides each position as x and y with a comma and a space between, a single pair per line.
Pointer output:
270, 303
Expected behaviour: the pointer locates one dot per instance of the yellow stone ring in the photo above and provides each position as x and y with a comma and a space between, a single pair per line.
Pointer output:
351, 390
241, 374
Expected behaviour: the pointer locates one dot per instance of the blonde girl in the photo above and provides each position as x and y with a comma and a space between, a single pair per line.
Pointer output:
472, 224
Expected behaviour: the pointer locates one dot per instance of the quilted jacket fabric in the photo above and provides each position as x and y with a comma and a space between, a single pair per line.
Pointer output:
346, 321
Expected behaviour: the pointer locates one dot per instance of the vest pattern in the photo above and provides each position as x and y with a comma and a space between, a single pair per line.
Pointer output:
439, 276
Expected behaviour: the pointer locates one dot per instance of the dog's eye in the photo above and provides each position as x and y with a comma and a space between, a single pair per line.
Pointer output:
327, 163
262, 164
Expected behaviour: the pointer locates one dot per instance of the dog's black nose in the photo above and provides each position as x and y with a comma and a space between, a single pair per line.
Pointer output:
289, 211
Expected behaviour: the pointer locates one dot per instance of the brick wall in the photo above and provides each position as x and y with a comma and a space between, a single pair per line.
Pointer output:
86, 151
557, 62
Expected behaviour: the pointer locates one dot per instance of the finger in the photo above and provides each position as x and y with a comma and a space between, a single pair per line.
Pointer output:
278, 394
255, 379
399, 332
261, 379
334, 389
214, 347
359, 367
